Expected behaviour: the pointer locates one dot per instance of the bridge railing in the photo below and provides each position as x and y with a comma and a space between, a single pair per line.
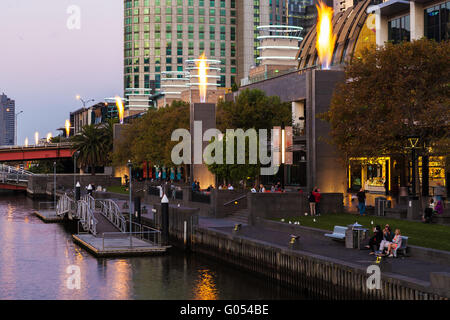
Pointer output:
110, 210
86, 216
65, 205
41, 145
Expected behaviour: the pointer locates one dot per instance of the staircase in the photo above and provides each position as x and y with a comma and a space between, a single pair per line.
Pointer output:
239, 216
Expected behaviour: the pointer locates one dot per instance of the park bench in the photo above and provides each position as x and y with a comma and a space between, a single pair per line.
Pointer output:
403, 247
338, 233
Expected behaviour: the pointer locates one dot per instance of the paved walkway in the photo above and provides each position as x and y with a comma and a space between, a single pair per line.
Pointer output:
406, 266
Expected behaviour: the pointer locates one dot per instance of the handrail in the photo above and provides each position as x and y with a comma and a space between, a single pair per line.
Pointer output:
110, 210
86, 216
65, 204
237, 199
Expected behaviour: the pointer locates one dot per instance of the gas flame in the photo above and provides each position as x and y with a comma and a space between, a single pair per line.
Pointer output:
120, 108
325, 37
202, 77
26, 142
49, 136
67, 128
36, 138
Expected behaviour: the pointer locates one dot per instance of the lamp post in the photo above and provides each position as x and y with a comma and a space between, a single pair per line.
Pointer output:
83, 101
75, 156
283, 153
15, 127
54, 183
413, 211
130, 166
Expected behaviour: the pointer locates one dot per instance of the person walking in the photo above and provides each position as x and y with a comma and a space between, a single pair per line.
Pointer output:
361, 202
312, 203
317, 197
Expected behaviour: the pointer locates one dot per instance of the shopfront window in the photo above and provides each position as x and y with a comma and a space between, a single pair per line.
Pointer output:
437, 22
399, 29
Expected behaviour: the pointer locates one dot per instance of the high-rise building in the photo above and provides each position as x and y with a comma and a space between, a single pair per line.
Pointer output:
7, 121
160, 35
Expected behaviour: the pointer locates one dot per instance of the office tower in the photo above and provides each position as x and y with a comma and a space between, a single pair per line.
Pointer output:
160, 35
7, 121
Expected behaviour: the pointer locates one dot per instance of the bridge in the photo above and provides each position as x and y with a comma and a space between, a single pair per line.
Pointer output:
13, 179
37, 152
105, 231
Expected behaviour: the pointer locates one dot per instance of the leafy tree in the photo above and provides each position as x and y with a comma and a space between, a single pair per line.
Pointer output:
148, 138
390, 93
252, 109
94, 143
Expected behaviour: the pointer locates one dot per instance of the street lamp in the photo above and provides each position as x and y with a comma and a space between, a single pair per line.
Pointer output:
54, 183
413, 141
15, 127
130, 166
84, 102
283, 153
75, 156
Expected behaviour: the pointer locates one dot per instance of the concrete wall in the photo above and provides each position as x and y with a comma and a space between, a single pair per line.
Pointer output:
39, 184
285, 205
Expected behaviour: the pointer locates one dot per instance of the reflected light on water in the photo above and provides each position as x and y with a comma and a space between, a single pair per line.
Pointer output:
205, 288
121, 279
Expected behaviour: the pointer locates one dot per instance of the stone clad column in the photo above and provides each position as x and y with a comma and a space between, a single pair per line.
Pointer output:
416, 20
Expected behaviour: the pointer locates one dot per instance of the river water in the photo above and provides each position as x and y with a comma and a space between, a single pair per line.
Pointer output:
34, 261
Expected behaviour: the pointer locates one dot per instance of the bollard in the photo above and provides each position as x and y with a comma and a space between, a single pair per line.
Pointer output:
78, 192
89, 189
294, 243
165, 219
137, 209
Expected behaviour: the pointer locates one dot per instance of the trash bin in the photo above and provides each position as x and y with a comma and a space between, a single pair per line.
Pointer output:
354, 236
380, 205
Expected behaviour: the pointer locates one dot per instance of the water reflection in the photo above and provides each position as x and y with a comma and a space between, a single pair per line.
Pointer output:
34, 258
205, 288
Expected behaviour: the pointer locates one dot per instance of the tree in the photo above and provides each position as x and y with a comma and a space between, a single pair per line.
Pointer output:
389, 94
94, 143
149, 137
252, 109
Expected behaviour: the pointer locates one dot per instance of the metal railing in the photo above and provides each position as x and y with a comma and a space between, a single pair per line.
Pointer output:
235, 200
65, 205
86, 216
39, 145
110, 210
143, 238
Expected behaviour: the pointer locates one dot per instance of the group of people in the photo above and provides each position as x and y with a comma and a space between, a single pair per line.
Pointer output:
195, 186
314, 202
434, 208
385, 241
226, 187
255, 189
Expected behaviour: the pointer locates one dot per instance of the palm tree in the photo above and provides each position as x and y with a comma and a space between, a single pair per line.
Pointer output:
94, 144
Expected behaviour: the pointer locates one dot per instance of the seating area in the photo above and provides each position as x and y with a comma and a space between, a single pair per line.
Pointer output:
338, 233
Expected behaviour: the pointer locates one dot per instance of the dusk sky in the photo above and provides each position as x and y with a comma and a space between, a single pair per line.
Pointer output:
44, 64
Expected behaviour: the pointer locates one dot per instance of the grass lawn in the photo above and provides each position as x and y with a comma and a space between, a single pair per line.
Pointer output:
118, 189
420, 234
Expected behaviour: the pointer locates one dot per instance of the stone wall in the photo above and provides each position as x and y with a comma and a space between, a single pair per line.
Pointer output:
38, 185
290, 204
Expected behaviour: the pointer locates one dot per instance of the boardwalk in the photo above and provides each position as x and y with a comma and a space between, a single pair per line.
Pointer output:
414, 268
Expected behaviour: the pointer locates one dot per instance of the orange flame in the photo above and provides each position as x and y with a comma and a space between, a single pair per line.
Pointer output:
49, 136
325, 37
202, 77
26, 142
67, 128
120, 108
36, 138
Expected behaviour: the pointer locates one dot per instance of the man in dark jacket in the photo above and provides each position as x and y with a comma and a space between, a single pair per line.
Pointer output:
388, 235
375, 240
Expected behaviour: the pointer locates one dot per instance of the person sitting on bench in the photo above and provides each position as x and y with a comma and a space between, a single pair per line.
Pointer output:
387, 237
375, 240
396, 243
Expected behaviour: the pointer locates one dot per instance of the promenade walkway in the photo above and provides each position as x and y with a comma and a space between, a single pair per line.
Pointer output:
320, 245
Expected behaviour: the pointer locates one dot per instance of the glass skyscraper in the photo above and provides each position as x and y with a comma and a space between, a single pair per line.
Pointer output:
7, 121
160, 35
